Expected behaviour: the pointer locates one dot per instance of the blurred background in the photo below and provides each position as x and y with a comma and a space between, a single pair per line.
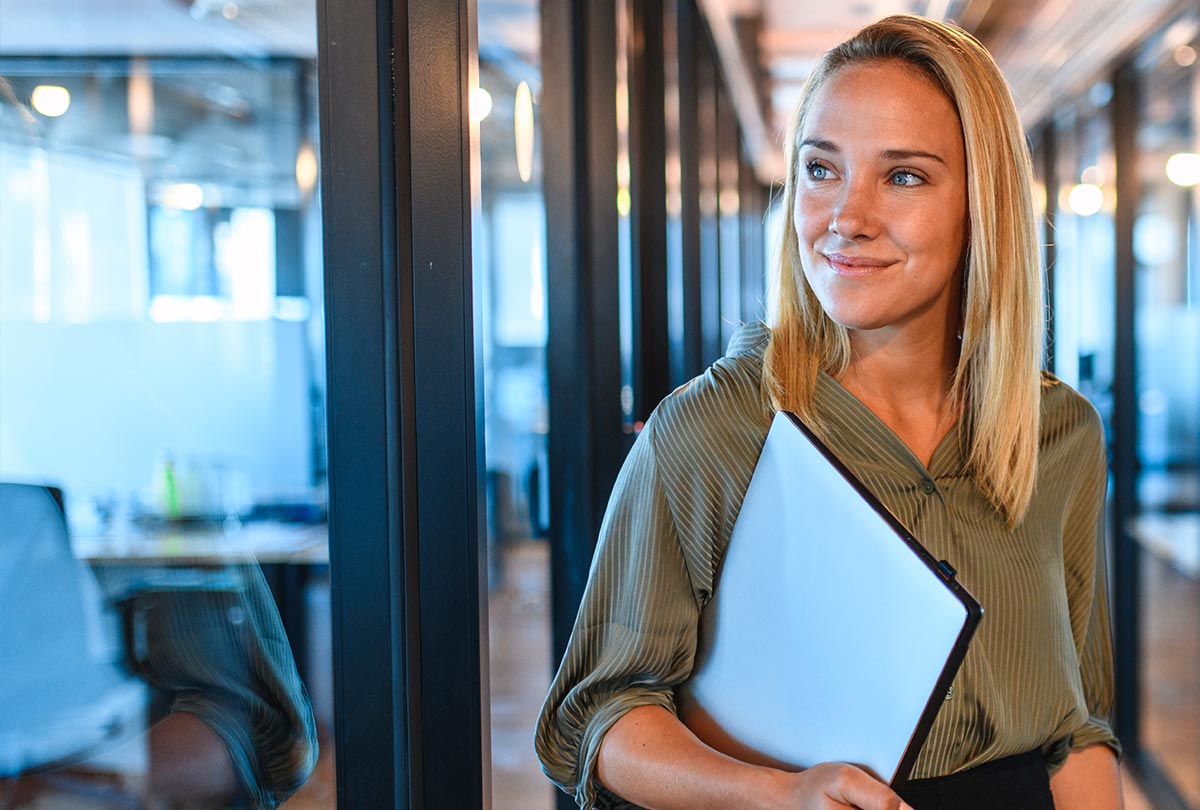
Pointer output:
165, 415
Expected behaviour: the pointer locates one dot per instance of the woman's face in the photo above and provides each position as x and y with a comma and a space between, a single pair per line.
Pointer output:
881, 200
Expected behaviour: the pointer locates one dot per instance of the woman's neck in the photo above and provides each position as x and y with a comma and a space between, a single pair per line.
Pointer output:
907, 382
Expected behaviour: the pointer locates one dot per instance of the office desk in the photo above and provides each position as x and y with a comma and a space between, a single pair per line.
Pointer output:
267, 543
169, 557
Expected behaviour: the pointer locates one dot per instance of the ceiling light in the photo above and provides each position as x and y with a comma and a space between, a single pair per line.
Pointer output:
1085, 199
480, 104
140, 99
306, 168
184, 196
50, 100
1093, 176
523, 130
1183, 168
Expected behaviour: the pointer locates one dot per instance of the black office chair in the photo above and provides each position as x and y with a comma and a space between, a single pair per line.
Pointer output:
63, 694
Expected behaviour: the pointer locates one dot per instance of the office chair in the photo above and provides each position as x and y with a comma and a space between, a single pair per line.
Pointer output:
62, 694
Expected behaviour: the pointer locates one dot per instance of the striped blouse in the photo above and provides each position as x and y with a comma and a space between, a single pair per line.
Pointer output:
1039, 670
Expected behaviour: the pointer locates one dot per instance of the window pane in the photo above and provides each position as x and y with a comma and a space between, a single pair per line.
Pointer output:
163, 547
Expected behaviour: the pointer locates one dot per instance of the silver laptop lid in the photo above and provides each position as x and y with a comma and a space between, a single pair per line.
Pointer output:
832, 634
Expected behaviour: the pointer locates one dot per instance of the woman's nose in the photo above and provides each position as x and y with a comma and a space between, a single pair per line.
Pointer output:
854, 214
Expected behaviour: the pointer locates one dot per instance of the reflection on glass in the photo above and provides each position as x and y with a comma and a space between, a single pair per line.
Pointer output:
510, 276
1084, 304
1167, 318
162, 536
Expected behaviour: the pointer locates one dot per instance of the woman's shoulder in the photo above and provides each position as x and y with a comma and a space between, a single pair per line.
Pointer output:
1068, 418
727, 394
717, 421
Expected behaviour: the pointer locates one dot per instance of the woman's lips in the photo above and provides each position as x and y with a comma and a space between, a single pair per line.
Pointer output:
855, 266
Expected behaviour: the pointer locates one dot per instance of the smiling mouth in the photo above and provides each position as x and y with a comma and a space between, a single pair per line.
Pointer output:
855, 266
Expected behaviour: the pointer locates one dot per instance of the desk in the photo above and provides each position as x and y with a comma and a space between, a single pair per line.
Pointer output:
266, 543
167, 557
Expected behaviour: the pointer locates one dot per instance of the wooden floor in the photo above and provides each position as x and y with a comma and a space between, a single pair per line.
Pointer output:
1170, 624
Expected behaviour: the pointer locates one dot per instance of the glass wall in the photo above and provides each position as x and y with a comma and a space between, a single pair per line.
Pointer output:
510, 272
1167, 339
163, 545
1165, 528
1084, 274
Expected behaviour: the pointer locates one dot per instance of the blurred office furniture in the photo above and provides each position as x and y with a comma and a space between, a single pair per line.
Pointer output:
164, 556
62, 692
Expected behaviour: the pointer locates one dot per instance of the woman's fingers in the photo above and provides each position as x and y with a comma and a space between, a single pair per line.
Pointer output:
857, 788
847, 786
833, 786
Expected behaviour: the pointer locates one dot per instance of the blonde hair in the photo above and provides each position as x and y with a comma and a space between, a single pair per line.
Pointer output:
997, 381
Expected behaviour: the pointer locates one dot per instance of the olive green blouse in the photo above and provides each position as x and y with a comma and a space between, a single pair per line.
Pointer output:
1039, 670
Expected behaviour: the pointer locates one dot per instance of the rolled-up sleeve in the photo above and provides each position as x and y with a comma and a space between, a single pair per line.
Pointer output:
1087, 591
635, 635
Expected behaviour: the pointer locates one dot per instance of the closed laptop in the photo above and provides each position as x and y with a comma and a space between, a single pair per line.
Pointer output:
832, 635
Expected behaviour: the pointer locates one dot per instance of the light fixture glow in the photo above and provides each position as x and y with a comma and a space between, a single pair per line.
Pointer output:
306, 168
1093, 176
184, 196
479, 104
624, 202
523, 130
140, 100
50, 100
1183, 168
728, 201
1085, 199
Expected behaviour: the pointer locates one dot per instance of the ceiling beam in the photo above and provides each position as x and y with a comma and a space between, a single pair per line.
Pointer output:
763, 151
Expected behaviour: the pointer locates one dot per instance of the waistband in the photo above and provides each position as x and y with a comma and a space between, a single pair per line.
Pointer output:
1019, 782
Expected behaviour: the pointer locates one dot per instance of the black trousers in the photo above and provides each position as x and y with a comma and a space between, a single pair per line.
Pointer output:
1012, 783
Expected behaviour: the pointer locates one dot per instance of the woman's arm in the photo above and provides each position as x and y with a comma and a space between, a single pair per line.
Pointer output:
1090, 780
652, 759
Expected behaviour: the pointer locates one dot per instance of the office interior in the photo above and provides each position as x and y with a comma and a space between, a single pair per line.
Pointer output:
325, 327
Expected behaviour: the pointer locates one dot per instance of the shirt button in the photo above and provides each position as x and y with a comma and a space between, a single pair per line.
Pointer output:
950, 693
928, 487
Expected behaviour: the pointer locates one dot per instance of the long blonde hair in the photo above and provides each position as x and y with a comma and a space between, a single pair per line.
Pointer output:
997, 381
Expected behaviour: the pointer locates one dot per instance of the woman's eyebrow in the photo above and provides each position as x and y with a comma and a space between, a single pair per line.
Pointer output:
828, 146
887, 154
907, 154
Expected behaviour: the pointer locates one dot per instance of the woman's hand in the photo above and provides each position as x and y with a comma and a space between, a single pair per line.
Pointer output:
834, 786
650, 758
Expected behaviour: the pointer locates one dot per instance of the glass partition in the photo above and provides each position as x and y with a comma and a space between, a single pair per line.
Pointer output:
162, 458
510, 271
1084, 303
1167, 334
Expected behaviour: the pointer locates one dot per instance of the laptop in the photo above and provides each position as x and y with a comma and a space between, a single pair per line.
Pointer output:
832, 634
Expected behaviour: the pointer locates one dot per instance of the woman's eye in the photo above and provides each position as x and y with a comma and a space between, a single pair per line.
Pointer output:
817, 172
906, 179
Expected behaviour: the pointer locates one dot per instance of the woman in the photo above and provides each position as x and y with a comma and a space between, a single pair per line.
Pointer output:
909, 335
